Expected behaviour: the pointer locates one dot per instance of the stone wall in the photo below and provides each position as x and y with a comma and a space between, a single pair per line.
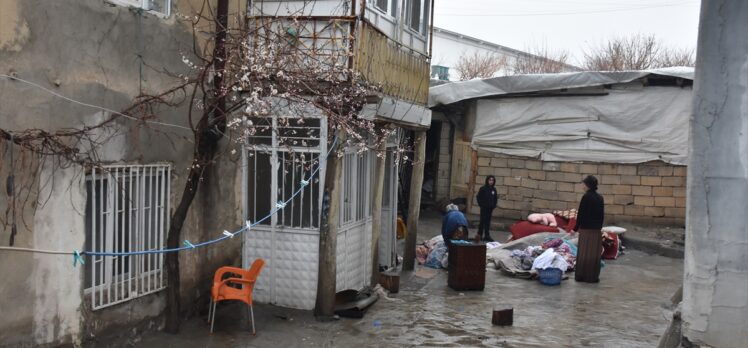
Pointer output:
652, 193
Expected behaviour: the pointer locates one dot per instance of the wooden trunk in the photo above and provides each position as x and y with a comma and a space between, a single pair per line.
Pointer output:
467, 266
390, 281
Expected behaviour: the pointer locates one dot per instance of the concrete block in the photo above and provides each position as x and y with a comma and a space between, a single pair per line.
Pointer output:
680, 202
501, 172
512, 181
664, 202
675, 212
485, 171
609, 179
648, 170
644, 201
680, 171
533, 165
484, 161
651, 180
622, 189
551, 166
565, 187
541, 203
662, 191
679, 192
504, 204
529, 183
588, 169
523, 173
527, 192
673, 181
613, 209
641, 190
548, 185
549, 195
606, 169
516, 163
501, 189
572, 177
537, 174
630, 180
602, 189
570, 167
626, 170
558, 205
568, 197
499, 162
633, 210
654, 211
665, 171
623, 199
554, 176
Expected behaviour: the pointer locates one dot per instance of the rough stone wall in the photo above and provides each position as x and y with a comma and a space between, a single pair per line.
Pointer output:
651, 193
91, 51
715, 300
445, 163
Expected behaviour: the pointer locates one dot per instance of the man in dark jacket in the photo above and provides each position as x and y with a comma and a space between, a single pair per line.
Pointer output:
487, 199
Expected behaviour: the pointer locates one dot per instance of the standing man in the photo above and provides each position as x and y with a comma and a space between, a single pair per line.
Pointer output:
487, 199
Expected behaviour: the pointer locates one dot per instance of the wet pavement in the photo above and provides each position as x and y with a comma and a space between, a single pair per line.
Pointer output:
628, 308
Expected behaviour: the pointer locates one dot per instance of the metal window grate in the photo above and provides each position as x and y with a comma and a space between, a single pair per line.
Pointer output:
127, 210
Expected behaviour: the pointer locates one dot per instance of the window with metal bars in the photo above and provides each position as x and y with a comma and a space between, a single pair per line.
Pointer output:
127, 210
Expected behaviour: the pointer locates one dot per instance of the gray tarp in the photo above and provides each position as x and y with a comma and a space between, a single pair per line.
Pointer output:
458, 91
631, 124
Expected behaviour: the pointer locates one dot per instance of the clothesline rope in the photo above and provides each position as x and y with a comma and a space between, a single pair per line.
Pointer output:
77, 255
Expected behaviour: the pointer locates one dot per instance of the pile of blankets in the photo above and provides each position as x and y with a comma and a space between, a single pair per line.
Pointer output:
516, 258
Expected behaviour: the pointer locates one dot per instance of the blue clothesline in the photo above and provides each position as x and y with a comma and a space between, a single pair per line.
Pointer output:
77, 255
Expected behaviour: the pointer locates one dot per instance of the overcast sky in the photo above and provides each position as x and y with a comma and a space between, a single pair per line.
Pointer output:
570, 25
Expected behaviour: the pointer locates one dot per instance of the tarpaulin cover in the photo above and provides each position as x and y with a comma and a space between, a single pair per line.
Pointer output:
629, 124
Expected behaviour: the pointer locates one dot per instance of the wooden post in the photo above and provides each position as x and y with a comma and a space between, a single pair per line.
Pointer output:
324, 308
414, 203
376, 211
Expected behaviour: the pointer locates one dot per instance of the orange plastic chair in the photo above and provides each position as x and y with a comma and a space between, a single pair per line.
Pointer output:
226, 289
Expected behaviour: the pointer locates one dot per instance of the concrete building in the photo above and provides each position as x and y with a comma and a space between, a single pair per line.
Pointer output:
68, 67
449, 46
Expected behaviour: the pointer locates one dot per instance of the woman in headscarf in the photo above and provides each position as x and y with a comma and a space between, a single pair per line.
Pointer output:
589, 224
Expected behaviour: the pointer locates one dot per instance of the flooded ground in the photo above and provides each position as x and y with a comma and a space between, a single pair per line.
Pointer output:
626, 309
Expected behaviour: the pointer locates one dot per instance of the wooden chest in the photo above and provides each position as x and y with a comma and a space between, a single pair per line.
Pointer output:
467, 266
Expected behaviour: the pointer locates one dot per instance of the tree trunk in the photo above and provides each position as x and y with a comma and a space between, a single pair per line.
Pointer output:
324, 308
414, 202
206, 146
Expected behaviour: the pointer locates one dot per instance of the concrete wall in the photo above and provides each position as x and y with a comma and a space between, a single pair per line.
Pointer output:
445, 163
649, 193
89, 50
715, 300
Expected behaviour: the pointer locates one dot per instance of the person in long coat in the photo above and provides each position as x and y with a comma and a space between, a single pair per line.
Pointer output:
590, 217
487, 199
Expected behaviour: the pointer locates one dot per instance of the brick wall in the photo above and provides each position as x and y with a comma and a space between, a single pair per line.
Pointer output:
652, 193
445, 160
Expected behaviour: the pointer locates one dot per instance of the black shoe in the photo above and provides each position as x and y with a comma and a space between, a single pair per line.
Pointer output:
487, 239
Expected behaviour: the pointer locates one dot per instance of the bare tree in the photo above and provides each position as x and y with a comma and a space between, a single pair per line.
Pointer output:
479, 66
540, 59
676, 57
635, 52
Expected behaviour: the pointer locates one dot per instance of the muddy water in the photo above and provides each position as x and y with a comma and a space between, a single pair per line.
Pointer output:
626, 309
